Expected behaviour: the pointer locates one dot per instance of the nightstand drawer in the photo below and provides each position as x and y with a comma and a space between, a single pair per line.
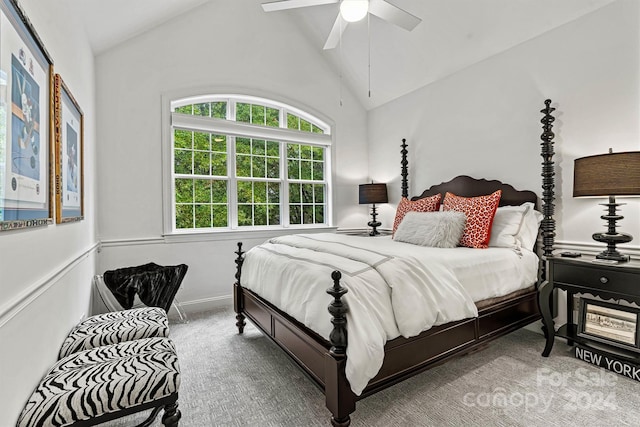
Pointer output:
595, 276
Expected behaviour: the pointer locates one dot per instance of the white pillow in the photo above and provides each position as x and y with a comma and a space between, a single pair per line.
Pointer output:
507, 223
433, 229
515, 227
528, 235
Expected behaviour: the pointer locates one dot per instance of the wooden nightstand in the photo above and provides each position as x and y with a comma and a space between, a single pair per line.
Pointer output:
606, 281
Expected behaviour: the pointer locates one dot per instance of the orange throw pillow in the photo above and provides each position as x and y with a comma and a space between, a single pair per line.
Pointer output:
427, 204
480, 212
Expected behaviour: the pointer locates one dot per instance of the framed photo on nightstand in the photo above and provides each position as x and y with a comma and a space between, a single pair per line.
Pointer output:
609, 323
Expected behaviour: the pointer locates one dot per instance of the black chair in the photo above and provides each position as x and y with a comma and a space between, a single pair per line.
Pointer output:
151, 284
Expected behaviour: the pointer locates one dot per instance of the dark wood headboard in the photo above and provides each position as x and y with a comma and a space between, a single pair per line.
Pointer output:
465, 186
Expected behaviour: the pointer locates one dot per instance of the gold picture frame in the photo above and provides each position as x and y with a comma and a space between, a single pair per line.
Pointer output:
69, 165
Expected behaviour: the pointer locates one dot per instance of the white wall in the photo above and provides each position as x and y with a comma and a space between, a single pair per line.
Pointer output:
222, 46
45, 273
588, 67
484, 121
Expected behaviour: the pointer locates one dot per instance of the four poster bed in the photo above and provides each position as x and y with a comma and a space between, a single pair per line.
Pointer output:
324, 351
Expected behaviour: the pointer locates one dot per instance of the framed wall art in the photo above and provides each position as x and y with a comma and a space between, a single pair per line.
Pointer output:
69, 146
26, 111
609, 323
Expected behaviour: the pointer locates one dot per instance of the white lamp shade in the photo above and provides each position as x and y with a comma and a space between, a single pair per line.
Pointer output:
354, 10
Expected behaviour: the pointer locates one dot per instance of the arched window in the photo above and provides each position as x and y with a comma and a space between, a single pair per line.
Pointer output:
249, 163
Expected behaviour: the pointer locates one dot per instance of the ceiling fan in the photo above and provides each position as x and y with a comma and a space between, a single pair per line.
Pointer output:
351, 11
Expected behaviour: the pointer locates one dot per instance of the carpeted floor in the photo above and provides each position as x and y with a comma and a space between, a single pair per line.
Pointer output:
245, 380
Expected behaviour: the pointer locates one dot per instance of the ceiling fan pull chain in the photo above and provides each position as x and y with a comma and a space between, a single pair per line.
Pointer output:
369, 41
341, 60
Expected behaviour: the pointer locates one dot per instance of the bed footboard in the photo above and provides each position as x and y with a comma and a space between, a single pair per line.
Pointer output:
323, 361
238, 300
339, 398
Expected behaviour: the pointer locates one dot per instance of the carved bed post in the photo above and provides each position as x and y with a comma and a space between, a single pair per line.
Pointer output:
340, 400
238, 302
405, 169
338, 311
548, 224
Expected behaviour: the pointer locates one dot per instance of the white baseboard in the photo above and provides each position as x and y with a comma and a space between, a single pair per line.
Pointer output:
204, 304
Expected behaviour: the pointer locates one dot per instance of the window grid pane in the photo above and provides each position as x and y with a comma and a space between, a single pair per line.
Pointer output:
257, 158
296, 123
243, 112
219, 110
183, 161
272, 117
258, 203
202, 202
257, 114
200, 153
306, 203
185, 109
306, 198
216, 109
305, 162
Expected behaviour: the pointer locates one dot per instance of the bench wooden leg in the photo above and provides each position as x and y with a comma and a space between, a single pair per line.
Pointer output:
151, 418
171, 415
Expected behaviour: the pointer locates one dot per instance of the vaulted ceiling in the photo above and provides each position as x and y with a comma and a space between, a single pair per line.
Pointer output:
453, 35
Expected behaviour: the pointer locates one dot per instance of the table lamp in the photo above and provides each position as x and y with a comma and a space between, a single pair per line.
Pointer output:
613, 174
372, 194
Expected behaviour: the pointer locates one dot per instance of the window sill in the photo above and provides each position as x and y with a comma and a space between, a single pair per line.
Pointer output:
236, 235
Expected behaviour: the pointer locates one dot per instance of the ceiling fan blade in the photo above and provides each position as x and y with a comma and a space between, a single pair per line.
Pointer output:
334, 36
393, 14
293, 4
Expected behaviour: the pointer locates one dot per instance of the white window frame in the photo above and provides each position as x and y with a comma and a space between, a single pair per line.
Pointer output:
233, 129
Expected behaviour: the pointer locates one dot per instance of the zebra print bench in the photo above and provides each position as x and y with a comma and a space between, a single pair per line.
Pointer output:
116, 327
93, 386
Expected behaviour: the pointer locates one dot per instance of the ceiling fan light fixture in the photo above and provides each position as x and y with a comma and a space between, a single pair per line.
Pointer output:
354, 10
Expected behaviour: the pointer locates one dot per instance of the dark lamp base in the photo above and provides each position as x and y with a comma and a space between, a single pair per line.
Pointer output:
616, 238
615, 255
374, 225
612, 239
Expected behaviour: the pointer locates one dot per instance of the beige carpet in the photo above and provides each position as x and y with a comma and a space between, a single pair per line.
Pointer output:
245, 380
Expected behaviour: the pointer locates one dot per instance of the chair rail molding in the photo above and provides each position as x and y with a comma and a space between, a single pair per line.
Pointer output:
12, 307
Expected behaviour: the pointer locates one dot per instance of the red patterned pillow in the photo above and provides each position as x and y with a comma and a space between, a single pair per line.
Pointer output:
480, 212
427, 204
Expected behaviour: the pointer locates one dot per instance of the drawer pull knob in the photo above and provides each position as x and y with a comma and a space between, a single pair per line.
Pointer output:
604, 279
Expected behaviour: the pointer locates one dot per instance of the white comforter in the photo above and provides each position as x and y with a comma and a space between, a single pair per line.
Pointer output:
393, 288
